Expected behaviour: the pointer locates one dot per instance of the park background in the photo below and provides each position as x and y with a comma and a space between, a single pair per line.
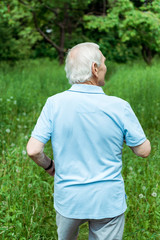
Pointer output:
34, 39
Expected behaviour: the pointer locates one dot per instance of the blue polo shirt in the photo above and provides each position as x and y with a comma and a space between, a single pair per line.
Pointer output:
87, 130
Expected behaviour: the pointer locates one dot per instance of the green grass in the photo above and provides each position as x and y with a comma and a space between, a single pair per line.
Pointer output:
26, 210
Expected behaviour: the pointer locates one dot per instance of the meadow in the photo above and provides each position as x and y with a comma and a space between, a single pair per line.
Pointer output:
26, 210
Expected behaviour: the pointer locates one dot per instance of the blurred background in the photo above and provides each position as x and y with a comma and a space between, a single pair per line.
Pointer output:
124, 29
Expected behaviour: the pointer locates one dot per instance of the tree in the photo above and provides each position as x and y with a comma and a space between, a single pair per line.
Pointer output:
134, 27
17, 33
56, 20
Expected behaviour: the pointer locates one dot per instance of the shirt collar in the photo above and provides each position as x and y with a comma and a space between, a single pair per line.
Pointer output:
86, 88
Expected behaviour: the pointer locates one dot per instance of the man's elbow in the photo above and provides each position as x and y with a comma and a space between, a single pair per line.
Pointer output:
142, 150
31, 151
34, 147
146, 153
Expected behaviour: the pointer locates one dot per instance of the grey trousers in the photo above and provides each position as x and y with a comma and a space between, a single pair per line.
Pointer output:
99, 229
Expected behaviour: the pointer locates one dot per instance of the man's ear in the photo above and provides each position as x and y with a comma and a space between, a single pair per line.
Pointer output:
95, 69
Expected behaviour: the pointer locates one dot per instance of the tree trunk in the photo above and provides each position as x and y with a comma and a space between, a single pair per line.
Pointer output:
147, 54
104, 7
61, 57
62, 39
62, 26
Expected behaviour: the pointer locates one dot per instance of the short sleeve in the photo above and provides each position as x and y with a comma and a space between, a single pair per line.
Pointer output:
133, 132
43, 128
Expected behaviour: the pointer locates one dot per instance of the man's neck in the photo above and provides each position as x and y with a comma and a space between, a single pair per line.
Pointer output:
90, 82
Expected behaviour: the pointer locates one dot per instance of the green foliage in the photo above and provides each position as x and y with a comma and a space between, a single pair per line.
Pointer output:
131, 27
48, 28
17, 33
26, 190
115, 50
28, 26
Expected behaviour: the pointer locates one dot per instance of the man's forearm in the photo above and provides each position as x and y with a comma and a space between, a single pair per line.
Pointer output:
41, 160
44, 161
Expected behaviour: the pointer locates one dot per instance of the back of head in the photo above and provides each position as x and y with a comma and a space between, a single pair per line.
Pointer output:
79, 62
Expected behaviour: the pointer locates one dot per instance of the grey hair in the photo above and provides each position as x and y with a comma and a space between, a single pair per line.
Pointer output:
79, 62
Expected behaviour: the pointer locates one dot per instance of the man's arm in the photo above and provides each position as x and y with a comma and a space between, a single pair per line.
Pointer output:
142, 150
35, 151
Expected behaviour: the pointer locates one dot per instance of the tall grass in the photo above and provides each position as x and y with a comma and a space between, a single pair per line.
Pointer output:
26, 210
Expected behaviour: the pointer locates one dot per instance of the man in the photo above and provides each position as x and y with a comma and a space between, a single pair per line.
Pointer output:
87, 130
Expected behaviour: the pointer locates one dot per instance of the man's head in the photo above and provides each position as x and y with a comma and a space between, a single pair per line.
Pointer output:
85, 62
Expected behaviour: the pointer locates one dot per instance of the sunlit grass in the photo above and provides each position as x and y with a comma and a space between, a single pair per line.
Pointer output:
26, 190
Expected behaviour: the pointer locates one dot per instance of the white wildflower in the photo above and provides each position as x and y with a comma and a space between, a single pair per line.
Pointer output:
3, 152
130, 168
29, 185
8, 130
24, 152
12, 144
11, 97
25, 126
144, 188
8, 100
26, 137
141, 195
24, 113
4, 141
14, 102
17, 170
154, 194
18, 119
19, 126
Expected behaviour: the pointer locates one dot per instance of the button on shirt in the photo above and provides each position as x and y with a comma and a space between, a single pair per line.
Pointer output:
87, 130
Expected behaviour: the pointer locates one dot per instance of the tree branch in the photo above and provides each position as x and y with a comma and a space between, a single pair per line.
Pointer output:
44, 35
49, 8
52, 10
25, 4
